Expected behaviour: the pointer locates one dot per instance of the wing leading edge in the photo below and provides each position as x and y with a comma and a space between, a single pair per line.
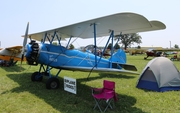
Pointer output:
121, 22
14, 48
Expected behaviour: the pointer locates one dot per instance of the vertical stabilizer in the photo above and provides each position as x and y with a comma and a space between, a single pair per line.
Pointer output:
119, 56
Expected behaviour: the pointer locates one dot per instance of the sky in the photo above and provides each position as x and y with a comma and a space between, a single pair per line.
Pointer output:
49, 14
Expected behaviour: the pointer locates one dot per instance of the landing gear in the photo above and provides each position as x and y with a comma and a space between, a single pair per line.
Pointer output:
52, 83
36, 76
146, 57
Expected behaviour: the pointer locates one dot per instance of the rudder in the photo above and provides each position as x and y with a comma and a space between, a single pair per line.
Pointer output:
119, 56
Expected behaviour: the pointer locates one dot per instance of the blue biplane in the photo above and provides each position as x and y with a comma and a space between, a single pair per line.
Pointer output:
50, 56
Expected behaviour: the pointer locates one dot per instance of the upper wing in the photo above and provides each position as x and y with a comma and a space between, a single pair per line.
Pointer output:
156, 25
121, 22
11, 51
15, 48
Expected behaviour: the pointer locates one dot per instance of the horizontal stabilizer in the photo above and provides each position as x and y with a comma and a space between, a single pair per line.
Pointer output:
128, 67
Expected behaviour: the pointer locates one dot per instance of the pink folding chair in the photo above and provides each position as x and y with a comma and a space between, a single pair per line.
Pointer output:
107, 94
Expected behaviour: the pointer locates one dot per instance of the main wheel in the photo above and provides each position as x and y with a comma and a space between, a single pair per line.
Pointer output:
36, 76
52, 83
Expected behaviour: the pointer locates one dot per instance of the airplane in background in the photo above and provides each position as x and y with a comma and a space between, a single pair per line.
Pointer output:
10, 56
160, 52
50, 56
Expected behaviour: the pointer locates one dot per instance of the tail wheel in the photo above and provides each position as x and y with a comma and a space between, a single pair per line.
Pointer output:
52, 83
36, 76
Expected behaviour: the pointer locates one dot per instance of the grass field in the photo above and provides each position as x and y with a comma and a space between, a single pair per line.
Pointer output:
18, 94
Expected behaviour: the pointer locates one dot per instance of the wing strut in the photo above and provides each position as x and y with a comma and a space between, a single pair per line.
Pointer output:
95, 44
112, 48
53, 37
58, 38
110, 36
68, 42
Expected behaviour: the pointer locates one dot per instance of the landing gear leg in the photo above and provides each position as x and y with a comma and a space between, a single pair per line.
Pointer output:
52, 82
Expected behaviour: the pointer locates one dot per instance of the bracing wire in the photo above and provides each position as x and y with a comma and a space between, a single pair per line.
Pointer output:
80, 34
102, 39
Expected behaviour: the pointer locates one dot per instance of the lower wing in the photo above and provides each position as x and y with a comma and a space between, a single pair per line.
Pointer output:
98, 70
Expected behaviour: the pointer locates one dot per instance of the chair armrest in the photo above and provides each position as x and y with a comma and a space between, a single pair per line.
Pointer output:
109, 94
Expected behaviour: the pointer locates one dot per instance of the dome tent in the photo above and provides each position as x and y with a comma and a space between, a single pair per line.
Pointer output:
160, 74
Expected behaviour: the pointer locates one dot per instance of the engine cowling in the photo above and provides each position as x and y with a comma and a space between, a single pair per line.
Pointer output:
32, 53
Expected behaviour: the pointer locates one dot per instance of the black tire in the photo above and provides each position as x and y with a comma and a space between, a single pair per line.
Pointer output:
52, 83
36, 76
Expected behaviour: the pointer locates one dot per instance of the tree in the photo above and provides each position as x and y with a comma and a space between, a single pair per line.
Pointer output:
55, 43
109, 46
129, 39
71, 46
176, 46
139, 47
116, 46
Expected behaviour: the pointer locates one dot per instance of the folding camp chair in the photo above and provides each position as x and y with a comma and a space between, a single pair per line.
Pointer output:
106, 94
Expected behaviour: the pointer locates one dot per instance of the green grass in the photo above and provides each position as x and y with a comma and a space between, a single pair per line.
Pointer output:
18, 94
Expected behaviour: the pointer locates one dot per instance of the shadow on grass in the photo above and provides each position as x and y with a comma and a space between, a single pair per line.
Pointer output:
65, 102
15, 68
102, 75
148, 59
117, 76
148, 90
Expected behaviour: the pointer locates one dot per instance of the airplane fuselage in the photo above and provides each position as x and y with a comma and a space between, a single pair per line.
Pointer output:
58, 56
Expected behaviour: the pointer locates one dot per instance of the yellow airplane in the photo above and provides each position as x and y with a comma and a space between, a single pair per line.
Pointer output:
9, 56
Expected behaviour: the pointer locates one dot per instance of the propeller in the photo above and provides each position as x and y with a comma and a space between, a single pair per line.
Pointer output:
24, 43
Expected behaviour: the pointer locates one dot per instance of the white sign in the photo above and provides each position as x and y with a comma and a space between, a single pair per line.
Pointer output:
70, 85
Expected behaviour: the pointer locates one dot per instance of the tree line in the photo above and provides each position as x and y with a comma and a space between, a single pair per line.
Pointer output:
125, 40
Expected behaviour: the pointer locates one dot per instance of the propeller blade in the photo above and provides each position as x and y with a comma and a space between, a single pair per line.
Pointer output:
25, 37
22, 58
24, 43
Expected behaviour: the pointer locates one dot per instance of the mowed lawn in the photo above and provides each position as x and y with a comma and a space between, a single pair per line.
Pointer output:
18, 94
